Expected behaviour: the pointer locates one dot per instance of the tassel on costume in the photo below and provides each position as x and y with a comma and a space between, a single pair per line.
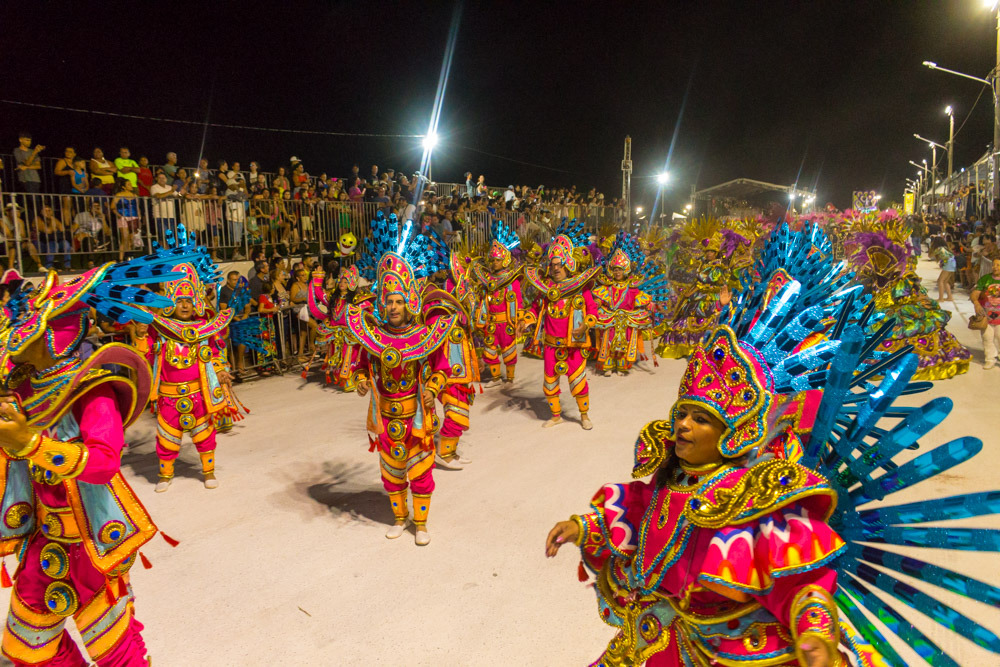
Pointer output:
480, 387
305, 372
655, 362
372, 443
581, 572
145, 561
4, 576
109, 595
169, 540
122, 587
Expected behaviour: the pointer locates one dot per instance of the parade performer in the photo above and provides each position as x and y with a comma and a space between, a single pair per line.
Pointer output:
886, 265
69, 516
986, 299
627, 302
701, 290
501, 303
403, 364
191, 379
562, 316
343, 354
745, 550
457, 397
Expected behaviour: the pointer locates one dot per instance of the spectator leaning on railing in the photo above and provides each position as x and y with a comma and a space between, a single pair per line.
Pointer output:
28, 164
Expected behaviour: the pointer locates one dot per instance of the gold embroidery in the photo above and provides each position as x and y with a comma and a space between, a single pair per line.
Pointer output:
759, 489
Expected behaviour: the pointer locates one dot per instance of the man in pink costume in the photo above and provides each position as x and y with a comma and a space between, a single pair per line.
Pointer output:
562, 315
501, 304
68, 514
190, 376
463, 371
623, 312
405, 369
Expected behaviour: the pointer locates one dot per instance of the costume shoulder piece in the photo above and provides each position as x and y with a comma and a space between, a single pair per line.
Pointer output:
493, 282
558, 290
412, 344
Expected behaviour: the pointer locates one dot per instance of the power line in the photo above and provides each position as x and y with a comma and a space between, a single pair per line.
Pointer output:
206, 124
510, 159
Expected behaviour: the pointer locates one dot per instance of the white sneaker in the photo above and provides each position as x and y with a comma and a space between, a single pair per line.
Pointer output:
607, 374
492, 382
586, 423
422, 538
462, 458
453, 464
211, 482
990, 363
395, 530
162, 485
554, 421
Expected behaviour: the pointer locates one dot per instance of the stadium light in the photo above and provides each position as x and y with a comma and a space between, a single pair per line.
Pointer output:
662, 178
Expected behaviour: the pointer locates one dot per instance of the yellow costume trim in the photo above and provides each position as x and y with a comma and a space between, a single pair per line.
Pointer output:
60, 460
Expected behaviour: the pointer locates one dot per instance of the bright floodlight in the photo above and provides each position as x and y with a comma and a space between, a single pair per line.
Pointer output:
928, 63
791, 195
430, 141
638, 209
662, 178
948, 110
877, 197
990, 4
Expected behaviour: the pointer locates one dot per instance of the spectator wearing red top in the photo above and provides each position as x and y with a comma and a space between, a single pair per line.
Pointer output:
145, 176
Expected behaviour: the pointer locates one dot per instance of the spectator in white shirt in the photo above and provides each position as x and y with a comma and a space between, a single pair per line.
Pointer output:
164, 211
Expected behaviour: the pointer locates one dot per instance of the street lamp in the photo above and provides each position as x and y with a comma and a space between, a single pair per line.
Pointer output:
934, 146
662, 179
951, 137
992, 81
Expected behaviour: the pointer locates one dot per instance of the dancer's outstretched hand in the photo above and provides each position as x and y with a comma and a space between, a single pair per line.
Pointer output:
362, 387
561, 533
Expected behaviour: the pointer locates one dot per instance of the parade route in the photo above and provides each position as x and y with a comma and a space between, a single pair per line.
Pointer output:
286, 562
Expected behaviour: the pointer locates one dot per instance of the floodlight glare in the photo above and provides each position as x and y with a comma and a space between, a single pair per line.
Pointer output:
662, 178
638, 209
928, 63
430, 141
948, 110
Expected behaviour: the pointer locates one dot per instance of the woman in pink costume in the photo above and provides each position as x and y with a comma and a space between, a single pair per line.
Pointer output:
501, 304
343, 354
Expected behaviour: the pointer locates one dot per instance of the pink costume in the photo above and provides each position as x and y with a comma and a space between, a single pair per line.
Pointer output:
463, 365
186, 358
73, 522
500, 310
402, 363
343, 356
561, 309
622, 314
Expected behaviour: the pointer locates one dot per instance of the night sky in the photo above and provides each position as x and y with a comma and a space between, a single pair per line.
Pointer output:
825, 93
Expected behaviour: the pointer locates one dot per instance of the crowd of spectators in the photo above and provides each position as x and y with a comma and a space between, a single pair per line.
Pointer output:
75, 209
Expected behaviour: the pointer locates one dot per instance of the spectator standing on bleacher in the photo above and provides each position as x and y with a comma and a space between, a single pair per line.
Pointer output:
101, 167
170, 167
164, 209
128, 168
80, 178
28, 164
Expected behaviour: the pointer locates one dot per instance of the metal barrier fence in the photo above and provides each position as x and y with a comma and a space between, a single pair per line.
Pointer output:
76, 232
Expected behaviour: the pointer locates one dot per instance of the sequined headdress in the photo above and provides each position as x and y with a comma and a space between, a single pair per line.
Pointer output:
624, 253
504, 241
58, 311
351, 275
569, 240
197, 275
398, 262
766, 350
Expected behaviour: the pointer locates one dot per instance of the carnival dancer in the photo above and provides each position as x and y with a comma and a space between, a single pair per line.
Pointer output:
501, 303
700, 296
878, 251
191, 378
986, 299
457, 397
562, 316
727, 556
403, 364
70, 517
343, 354
626, 302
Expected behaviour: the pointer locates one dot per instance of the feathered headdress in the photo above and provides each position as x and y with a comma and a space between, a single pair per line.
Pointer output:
198, 274
504, 240
624, 253
58, 311
569, 239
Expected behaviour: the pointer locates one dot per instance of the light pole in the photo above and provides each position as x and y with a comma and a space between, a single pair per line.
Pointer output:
934, 146
921, 175
662, 179
992, 83
951, 138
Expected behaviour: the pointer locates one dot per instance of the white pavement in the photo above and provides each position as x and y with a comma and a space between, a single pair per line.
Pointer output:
286, 563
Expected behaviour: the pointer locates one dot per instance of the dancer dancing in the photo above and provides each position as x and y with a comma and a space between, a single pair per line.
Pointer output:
70, 517
729, 554
627, 302
562, 316
403, 364
343, 354
501, 303
191, 379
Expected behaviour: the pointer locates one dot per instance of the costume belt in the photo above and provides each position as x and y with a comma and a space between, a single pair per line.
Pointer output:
58, 524
173, 389
553, 341
394, 408
499, 316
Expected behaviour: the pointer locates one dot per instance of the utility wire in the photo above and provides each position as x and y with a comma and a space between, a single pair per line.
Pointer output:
204, 124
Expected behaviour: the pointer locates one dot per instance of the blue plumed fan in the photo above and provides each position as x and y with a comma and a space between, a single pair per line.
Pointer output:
858, 443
